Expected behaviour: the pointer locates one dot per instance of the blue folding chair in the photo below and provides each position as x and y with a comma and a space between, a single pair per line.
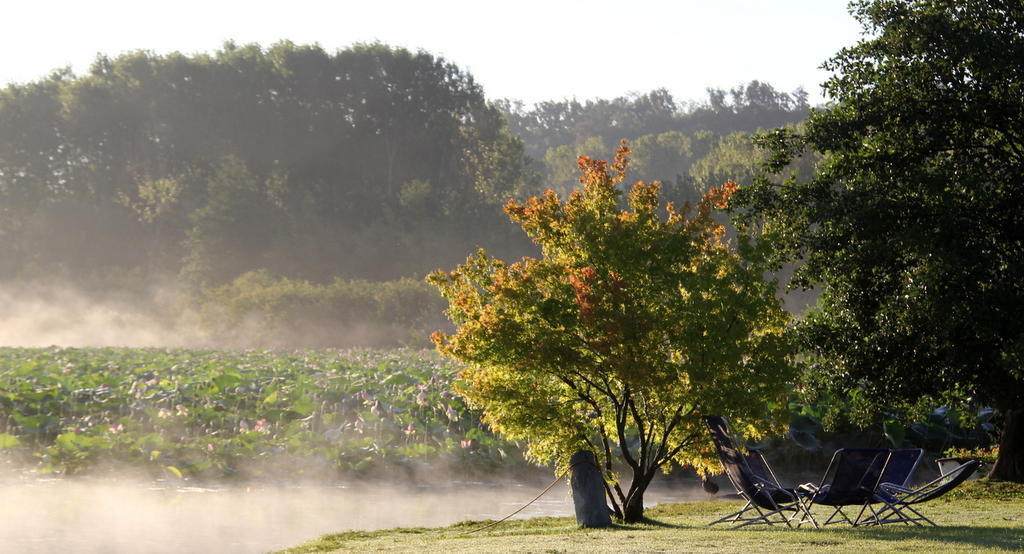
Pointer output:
902, 464
768, 503
899, 500
851, 479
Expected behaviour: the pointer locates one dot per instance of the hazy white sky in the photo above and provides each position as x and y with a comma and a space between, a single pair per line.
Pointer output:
523, 49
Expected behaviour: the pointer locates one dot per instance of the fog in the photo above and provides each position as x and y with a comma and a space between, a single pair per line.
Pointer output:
81, 516
92, 514
159, 316
33, 316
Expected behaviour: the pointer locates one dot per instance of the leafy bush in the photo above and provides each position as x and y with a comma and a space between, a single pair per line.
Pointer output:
985, 455
257, 308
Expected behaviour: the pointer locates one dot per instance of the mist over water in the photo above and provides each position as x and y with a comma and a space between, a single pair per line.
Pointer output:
161, 315
94, 515
50, 516
55, 315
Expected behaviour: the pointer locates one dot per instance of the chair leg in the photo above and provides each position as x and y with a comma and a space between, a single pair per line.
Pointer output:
895, 514
839, 510
765, 518
801, 515
920, 516
807, 515
733, 517
873, 519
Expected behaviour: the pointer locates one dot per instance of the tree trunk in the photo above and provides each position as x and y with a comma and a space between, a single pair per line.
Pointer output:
1009, 465
634, 510
588, 491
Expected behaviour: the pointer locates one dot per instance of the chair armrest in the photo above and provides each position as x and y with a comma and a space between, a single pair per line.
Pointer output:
893, 488
809, 487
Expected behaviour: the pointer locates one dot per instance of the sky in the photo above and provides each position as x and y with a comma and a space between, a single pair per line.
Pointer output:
526, 50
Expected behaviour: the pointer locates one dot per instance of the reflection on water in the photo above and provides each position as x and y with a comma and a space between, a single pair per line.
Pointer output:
74, 516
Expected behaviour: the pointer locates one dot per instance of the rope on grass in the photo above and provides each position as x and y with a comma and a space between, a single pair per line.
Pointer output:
542, 493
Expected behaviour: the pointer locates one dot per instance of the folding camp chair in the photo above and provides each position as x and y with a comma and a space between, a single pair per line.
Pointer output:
850, 480
898, 471
902, 464
899, 499
762, 473
768, 502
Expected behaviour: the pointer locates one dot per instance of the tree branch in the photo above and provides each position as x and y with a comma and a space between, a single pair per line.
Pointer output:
621, 415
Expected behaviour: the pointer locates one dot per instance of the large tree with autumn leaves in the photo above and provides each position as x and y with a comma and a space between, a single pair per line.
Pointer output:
631, 326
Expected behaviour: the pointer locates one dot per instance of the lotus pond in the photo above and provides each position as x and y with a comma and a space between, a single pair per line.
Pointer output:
178, 413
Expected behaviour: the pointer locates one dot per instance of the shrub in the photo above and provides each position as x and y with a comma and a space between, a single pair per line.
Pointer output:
260, 309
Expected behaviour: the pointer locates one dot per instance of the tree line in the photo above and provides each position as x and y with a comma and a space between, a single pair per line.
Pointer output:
688, 146
371, 162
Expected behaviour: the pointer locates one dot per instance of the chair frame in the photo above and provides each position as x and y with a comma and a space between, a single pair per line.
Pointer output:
887, 477
880, 461
898, 499
756, 482
759, 490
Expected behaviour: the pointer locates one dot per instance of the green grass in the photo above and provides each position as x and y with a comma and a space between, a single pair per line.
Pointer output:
966, 525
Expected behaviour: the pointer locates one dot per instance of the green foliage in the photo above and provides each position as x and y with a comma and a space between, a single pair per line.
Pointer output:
217, 413
912, 225
370, 162
258, 309
286, 158
628, 329
986, 455
669, 138
748, 107
235, 223
668, 157
560, 163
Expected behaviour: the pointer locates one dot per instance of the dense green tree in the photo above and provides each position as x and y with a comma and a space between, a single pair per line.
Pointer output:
749, 107
560, 162
629, 328
554, 123
233, 229
347, 139
736, 157
656, 124
755, 105
913, 226
732, 157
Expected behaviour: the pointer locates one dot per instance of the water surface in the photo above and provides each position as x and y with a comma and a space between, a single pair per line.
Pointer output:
50, 516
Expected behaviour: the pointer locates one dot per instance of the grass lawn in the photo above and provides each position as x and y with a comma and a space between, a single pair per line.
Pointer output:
980, 518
